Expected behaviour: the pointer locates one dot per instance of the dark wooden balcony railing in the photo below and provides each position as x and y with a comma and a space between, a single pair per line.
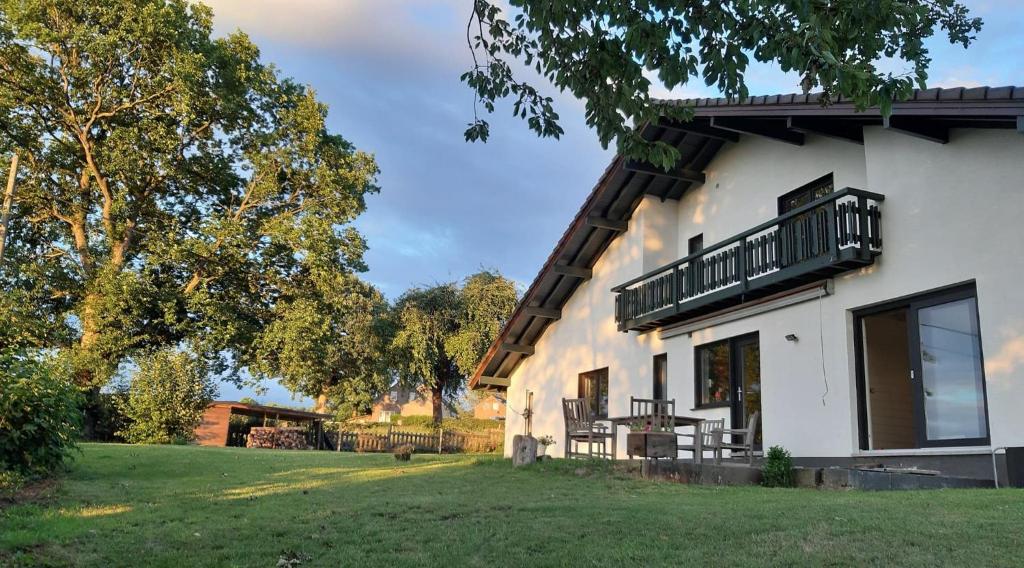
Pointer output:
833, 234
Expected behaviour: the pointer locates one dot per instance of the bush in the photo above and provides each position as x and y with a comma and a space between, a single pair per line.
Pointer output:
39, 415
11, 483
778, 468
404, 452
166, 398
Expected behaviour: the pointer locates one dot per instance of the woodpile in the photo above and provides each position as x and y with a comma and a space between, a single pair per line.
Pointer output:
279, 438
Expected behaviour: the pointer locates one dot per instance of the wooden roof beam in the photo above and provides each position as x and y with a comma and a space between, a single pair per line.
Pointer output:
518, 348
546, 313
573, 271
495, 381
610, 224
767, 128
674, 173
917, 127
700, 129
837, 129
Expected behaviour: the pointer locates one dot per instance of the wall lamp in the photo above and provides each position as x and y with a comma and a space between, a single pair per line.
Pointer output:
792, 337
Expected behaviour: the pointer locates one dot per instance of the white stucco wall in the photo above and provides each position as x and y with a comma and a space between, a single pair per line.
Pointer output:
951, 214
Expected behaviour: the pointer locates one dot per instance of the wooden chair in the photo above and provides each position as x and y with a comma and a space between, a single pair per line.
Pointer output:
580, 428
746, 443
711, 439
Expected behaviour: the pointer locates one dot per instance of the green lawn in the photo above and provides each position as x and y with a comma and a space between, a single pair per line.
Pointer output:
182, 506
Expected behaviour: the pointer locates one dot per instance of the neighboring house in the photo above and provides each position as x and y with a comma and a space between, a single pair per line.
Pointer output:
403, 401
490, 407
879, 324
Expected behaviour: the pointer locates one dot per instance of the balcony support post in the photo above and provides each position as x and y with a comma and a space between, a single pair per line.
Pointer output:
675, 289
741, 265
832, 240
862, 222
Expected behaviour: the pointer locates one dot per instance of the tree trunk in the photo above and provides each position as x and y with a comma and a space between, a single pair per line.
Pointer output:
321, 404
90, 336
437, 404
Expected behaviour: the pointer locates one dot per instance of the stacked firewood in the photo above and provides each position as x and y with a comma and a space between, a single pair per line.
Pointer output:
280, 438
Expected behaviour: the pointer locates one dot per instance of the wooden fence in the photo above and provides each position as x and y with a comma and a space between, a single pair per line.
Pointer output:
433, 442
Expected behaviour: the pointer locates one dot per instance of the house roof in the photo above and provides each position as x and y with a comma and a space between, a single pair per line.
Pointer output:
261, 410
928, 114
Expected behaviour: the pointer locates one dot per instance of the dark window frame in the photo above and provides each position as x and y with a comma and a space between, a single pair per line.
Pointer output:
828, 178
695, 243
698, 394
600, 374
953, 292
659, 359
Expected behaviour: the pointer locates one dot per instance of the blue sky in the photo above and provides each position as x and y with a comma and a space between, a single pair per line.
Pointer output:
389, 70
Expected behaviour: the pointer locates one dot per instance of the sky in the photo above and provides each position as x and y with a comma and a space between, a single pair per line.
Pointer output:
389, 71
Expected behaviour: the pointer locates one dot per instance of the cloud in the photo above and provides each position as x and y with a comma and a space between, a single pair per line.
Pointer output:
383, 29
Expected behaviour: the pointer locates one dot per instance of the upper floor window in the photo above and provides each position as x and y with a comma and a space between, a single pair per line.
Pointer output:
806, 193
696, 244
593, 386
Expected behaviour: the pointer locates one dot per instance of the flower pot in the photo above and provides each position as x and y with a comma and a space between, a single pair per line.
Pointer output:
651, 444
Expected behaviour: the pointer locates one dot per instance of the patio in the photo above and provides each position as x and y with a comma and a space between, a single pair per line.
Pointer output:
653, 434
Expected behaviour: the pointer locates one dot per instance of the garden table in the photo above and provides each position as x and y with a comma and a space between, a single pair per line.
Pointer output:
698, 454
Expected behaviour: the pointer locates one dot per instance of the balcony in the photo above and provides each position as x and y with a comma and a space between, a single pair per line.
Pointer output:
836, 233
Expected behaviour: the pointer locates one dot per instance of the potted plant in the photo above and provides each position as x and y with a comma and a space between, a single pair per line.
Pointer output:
645, 442
542, 445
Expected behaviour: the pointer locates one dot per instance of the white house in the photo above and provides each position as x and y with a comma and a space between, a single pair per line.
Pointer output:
858, 280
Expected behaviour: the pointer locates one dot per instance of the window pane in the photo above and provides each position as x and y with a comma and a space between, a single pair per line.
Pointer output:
660, 376
714, 373
593, 387
954, 395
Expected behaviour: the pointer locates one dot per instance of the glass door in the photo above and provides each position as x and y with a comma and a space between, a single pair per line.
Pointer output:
747, 384
947, 373
921, 379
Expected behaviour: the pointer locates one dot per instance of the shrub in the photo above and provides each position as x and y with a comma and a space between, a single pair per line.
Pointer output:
11, 483
404, 452
166, 398
778, 468
39, 415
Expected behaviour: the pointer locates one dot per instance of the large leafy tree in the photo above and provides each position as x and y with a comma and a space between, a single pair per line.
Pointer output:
174, 191
329, 342
607, 52
442, 331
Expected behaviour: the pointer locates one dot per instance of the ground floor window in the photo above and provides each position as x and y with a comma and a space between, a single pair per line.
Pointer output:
593, 386
920, 372
661, 376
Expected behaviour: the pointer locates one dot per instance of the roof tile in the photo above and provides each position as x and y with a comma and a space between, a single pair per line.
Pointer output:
999, 92
953, 94
975, 94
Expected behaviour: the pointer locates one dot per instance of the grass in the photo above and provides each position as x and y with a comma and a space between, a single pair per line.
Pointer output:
182, 506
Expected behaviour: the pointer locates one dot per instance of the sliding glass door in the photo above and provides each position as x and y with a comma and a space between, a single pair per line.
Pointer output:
947, 375
921, 377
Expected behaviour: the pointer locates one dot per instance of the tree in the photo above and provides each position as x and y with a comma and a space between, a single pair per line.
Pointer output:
173, 190
166, 397
444, 330
605, 53
328, 341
